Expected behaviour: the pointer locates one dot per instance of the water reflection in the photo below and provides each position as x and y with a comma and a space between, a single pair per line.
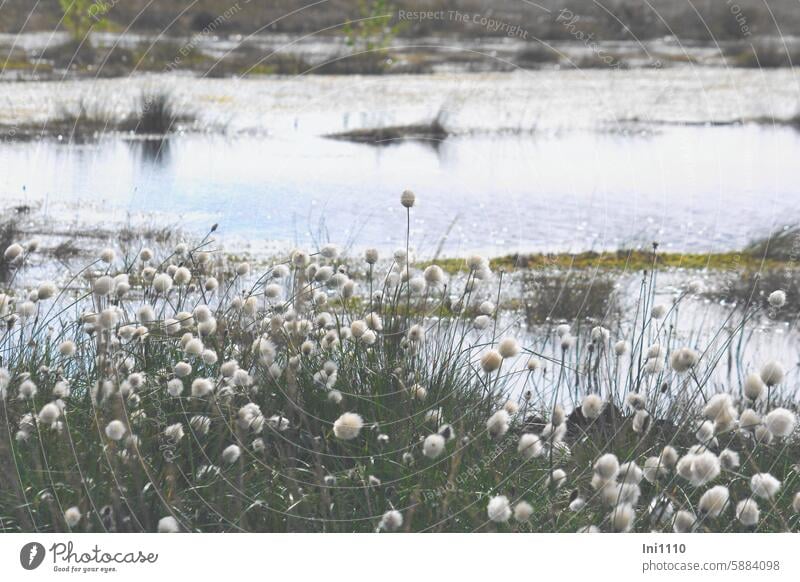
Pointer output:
694, 188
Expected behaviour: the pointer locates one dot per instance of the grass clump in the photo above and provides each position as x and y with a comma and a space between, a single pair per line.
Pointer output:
155, 115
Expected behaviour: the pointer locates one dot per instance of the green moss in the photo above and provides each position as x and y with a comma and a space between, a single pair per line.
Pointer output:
628, 260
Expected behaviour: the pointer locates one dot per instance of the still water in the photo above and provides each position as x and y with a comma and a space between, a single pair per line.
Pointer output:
693, 188
538, 160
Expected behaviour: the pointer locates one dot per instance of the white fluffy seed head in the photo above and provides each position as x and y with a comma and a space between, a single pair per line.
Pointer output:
13, 252
108, 255
491, 361
777, 299
49, 413
348, 426
683, 359
392, 520
508, 348
418, 392
592, 406
749, 420
669, 456
46, 291
202, 387
684, 522
607, 466
103, 285
729, 460
72, 516
764, 485
714, 501
622, 518
175, 387
168, 525
433, 445
658, 311
408, 198
162, 283
28, 389
371, 256
747, 512
772, 373
754, 387
434, 275
497, 425
115, 430
523, 511
67, 348
231, 454
780, 422
182, 369
530, 446
498, 509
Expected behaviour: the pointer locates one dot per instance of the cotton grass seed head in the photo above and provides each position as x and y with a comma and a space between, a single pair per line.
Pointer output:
747, 512
780, 422
168, 525
764, 485
13, 252
162, 283
777, 299
202, 387
182, 369
72, 516
754, 387
49, 413
635, 401
67, 348
498, 509
622, 518
371, 256
28, 389
772, 373
729, 460
491, 361
497, 425
557, 478
433, 445
523, 511
175, 387
654, 469
684, 522
508, 348
749, 420
683, 359
391, 521
115, 430
592, 406
46, 291
231, 454
530, 446
630, 472
714, 501
607, 466
348, 426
